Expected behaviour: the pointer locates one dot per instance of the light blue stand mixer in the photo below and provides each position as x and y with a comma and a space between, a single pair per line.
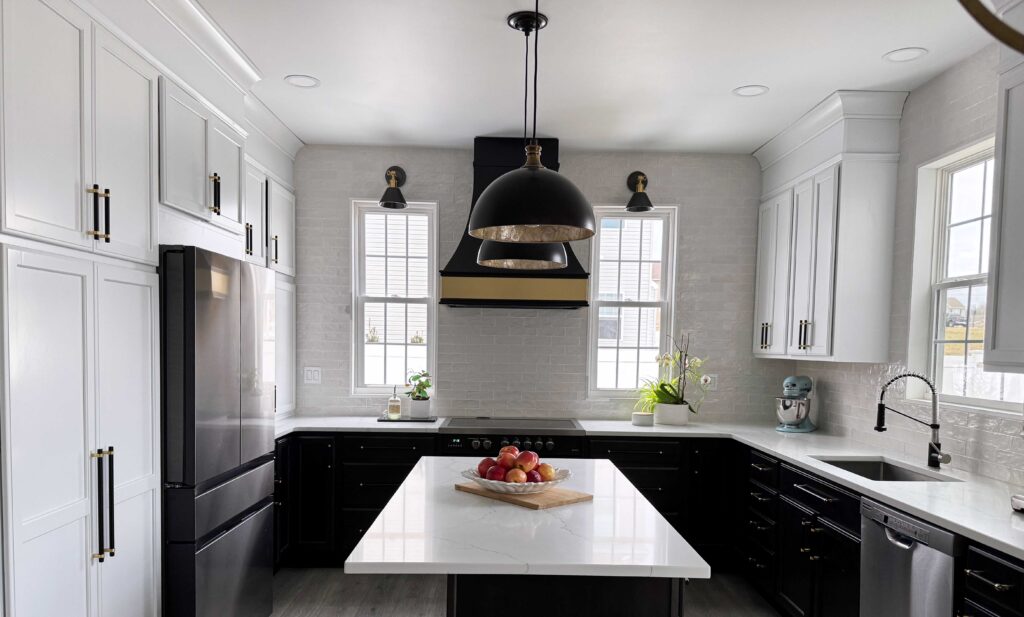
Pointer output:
793, 408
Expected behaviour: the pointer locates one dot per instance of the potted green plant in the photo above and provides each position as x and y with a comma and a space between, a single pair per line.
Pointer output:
666, 397
419, 394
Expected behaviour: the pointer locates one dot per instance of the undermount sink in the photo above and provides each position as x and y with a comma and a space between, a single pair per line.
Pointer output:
881, 469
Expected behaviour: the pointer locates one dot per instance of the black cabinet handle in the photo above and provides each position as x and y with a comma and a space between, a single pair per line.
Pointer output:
216, 193
106, 215
100, 527
96, 193
978, 575
813, 493
248, 238
110, 498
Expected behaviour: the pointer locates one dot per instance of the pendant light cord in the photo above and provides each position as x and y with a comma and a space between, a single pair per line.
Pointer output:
526, 87
536, 40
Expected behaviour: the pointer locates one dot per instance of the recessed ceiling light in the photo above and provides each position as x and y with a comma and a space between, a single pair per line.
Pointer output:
905, 54
302, 81
751, 90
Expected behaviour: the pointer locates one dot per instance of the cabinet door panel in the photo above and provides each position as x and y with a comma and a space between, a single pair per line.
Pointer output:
227, 159
48, 438
819, 331
284, 346
839, 585
802, 270
183, 134
128, 580
313, 490
774, 248
282, 229
1004, 340
46, 110
255, 214
126, 146
796, 579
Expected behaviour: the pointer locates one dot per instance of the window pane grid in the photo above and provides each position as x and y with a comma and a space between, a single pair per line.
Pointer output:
629, 301
961, 292
395, 296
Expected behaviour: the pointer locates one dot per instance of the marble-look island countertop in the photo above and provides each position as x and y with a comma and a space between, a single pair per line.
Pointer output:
430, 528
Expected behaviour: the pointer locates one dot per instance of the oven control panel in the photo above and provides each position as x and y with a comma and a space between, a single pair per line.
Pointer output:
488, 445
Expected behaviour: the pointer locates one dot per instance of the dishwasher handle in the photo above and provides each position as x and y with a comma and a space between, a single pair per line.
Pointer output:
900, 540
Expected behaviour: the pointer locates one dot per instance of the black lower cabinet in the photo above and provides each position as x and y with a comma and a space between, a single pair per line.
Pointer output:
991, 584
312, 504
282, 503
797, 558
839, 574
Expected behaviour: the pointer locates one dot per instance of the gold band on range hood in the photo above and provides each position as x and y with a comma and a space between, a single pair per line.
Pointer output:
514, 289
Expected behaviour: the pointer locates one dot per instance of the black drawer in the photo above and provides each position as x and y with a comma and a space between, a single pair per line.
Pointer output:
764, 469
759, 566
762, 500
994, 582
971, 609
660, 485
827, 500
761, 530
649, 452
355, 523
387, 448
371, 485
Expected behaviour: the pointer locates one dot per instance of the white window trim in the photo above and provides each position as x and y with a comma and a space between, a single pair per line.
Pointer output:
937, 200
669, 213
359, 206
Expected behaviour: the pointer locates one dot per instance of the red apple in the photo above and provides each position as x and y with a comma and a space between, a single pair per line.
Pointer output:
516, 476
514, 450
484, 465
547, 472
507, 460
496, 473
527, 460
533, 476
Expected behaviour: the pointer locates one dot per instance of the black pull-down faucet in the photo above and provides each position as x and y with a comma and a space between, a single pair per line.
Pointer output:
935, 454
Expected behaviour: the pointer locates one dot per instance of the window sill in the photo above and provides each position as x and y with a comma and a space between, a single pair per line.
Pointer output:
970, 408
612, 395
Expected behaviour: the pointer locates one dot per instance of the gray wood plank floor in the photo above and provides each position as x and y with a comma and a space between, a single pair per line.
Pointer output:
326, 592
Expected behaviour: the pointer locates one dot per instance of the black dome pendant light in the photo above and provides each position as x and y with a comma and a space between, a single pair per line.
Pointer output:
523, 255
532, 203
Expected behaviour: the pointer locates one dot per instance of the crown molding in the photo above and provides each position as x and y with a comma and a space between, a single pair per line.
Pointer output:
837, 107
266, 123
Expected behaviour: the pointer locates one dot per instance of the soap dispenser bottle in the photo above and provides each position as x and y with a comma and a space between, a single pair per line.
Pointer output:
394, 406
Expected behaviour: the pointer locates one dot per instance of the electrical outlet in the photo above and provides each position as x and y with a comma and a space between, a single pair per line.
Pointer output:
714, 383
311, 375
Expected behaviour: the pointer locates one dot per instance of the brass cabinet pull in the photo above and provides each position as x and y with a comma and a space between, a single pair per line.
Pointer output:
96, 193
216, 193
978, 576
276, 252
110, 499
760, 497
762, 468
813, 493
248, 238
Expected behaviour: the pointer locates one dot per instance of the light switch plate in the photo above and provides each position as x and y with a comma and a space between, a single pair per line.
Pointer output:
714, 383
311, 375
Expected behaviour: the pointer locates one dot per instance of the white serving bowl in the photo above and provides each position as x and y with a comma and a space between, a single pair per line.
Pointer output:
514, 488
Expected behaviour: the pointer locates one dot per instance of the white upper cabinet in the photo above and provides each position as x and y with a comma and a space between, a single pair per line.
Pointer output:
281, 245
254, 215
183, 133
774, 237
125, 89
825, 242
202, 160
80, 133
47, 145
226, 174
1004, 336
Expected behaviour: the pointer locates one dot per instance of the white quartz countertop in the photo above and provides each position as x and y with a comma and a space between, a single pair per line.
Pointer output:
350, 424
977, 507
430, 528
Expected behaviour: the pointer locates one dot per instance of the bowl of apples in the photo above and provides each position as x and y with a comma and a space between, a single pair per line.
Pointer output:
517, 473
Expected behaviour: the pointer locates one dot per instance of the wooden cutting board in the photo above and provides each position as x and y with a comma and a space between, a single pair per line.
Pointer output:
551, 498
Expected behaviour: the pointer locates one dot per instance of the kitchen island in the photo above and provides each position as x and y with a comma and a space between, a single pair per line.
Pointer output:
615, 555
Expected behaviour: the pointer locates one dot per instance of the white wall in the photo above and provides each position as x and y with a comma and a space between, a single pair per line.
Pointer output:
533, 362
954, 110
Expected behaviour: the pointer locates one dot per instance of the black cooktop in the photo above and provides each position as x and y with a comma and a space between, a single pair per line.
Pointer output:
512, 426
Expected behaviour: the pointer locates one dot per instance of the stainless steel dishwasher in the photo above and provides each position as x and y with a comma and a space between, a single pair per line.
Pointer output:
906, 565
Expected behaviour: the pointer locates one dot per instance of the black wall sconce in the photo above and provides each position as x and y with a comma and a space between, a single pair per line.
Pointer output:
393, 197
639, 202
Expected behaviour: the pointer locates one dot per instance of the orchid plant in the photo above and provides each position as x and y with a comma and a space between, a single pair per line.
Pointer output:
678, 370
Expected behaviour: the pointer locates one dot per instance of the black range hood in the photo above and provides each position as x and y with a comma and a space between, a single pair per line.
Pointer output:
466, 283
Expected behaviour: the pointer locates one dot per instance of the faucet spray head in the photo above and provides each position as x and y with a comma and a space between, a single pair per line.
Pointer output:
880, 418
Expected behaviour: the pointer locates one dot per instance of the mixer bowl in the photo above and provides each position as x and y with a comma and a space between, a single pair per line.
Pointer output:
792, 411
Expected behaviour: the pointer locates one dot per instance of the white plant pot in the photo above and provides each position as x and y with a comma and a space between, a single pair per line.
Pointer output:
643, 419
419, 409
675, 415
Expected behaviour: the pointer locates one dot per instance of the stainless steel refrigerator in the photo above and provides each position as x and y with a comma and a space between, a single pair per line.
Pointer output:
217, 388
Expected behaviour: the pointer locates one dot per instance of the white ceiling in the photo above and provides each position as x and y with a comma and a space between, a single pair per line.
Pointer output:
647, 74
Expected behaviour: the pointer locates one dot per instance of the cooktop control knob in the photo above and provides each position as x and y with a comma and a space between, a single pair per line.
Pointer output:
504, 442
487, 444
550, 445
516, 443
475, 444
527, 445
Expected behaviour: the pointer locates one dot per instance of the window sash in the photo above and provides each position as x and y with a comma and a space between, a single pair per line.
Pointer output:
667, 214
361, 208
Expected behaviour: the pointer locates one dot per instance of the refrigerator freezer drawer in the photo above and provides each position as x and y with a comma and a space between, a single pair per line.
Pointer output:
190, 517
232, 576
